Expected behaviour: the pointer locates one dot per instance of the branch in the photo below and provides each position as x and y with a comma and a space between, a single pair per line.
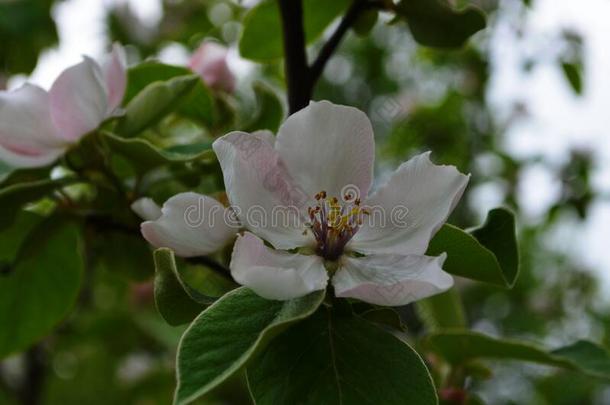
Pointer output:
352, 14
35, 374
297, 72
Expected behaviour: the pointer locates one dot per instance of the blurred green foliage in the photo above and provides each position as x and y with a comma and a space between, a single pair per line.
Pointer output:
115, 348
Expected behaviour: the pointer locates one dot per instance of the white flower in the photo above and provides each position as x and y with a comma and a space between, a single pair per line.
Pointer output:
37, 126
190, 224
319, 153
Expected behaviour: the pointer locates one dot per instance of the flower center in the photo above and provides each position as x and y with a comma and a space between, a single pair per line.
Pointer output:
334, 223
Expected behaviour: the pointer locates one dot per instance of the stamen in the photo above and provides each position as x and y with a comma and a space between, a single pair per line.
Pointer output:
333, 223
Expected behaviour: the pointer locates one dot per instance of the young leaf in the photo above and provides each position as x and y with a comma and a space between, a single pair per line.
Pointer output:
261, 39
175, 301
462, 346
144, 156
227, 334
330, 359
198, 105
436, 24
41, 287
155, 102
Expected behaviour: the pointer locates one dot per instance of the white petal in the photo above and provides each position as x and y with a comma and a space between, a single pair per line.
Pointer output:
264, 196
27, 135
115, 77
327, 147
275, 274
391, 280
408, 210
147, 209
191, 224
79, 102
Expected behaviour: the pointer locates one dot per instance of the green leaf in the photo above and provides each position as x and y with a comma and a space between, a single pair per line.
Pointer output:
144, 156
261, 38
42, 286
197, 105
442, 311
270, 111
125, 254
330, 359
12, 238
491, 259
460, 347
365, 22
13, 197
26, 29
573, 74
466, 257
228, 333
176, 302
384, 316
153, 103
436, 24
498, 235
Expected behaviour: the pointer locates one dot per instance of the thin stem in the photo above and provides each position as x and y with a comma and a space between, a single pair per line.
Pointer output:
352, 14
297, 72
35, 374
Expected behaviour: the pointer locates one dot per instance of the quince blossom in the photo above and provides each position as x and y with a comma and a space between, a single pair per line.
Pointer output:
319, 153
210, 62
36, 126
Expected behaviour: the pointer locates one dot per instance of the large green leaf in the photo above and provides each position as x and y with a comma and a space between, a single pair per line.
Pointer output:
228, 333
459, 347
177, 302
41, 287
144, 156
434, 23
488, 253
261, 39
335, 359
197, 105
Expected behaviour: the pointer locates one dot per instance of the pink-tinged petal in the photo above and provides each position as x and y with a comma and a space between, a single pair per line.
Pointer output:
27, 135
115, 77
147, 209
275, 274
327, 147
210, 62
78, 99
191, 224
31, 159
410, 208
265, 135
391, 280
265, 197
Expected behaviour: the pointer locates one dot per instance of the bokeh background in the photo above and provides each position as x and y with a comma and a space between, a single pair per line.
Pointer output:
524, 107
